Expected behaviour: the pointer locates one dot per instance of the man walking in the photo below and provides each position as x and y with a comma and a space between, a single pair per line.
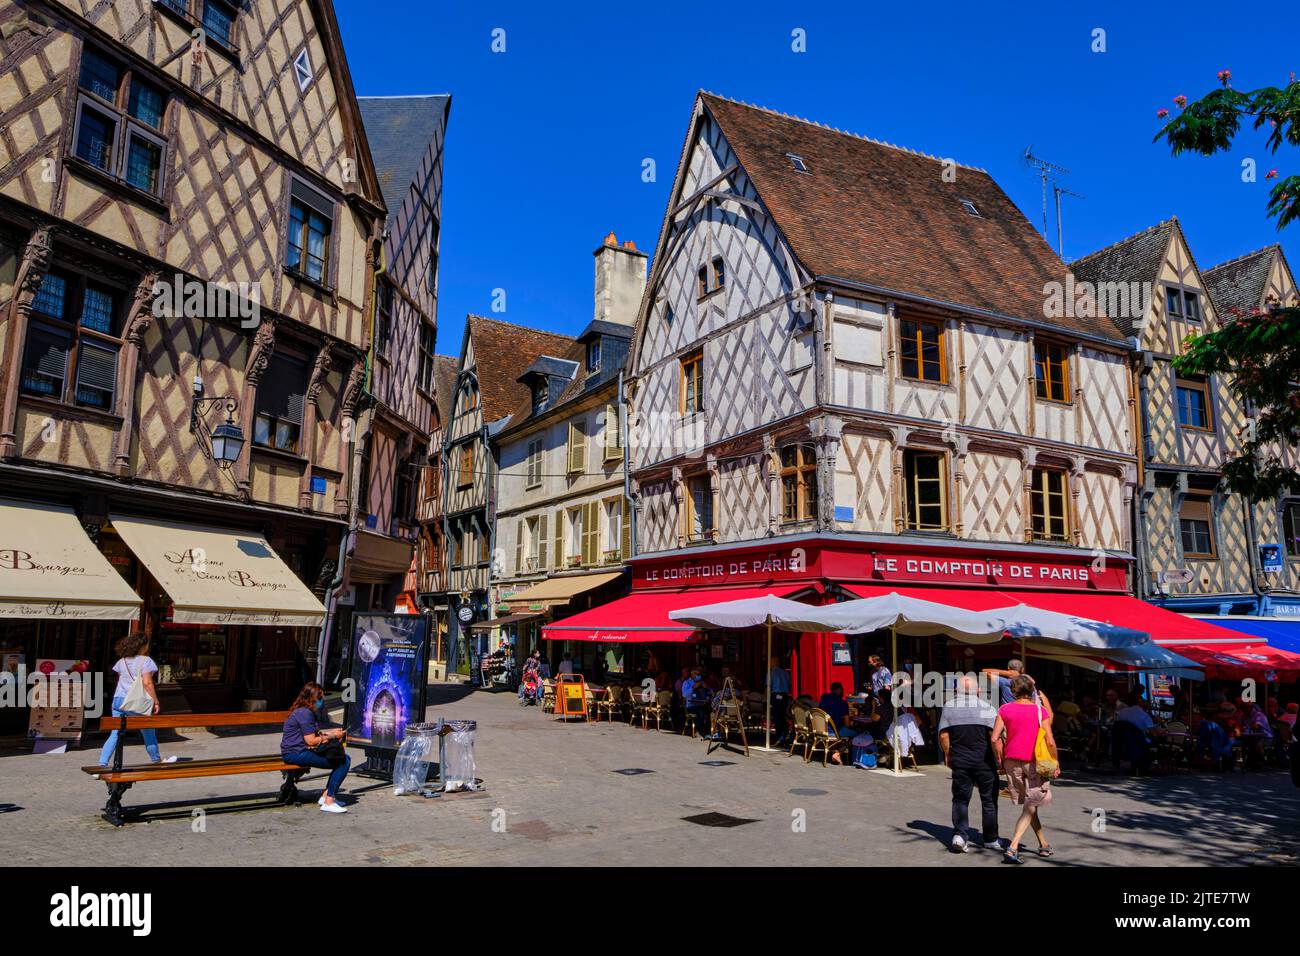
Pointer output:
969, 750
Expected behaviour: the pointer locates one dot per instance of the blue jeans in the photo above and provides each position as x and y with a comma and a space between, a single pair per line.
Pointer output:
309, 758
150, 738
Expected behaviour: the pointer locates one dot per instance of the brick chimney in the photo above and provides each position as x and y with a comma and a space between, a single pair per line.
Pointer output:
620, 280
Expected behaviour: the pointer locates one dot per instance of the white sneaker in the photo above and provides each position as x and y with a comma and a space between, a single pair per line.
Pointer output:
172, 759
958, 844
333, 808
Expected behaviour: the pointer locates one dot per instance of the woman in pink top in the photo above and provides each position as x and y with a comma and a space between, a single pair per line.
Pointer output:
1020, 720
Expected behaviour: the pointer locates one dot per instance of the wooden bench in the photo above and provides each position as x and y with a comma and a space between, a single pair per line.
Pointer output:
121, 777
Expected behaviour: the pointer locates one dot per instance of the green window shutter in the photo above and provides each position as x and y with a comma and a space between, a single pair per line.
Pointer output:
577, 447
590, 532
559, 540
519, 546
540, 545
625, 537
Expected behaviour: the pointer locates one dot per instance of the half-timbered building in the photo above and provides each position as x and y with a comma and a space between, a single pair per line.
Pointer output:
1251, 284
493, 356
188, 221
858, 368
391, 440
563, 519
1194, 542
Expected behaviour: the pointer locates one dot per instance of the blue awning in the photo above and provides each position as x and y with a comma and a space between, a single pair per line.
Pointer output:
1279, 632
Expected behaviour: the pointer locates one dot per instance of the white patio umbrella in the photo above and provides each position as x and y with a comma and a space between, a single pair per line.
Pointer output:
1024, 621
911, 616
769, 611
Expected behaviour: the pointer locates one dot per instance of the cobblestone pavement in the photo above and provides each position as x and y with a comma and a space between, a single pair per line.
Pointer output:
554, 797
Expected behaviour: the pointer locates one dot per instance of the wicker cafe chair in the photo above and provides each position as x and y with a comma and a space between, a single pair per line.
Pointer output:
591, 702
885, 754
659, 711
730, 717
822, 734
548, 696
637, 705
799, 733
613, 703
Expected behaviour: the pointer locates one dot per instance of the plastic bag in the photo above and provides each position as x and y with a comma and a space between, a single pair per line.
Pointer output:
418, 750
458, 770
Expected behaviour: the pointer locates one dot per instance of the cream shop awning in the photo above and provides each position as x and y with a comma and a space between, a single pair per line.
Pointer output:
49, 568
557, 590
214, 576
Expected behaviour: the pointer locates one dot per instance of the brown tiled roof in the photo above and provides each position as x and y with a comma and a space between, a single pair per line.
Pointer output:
445, 368
583, 381
1135, 259
875, 214
1239, 283
501, 353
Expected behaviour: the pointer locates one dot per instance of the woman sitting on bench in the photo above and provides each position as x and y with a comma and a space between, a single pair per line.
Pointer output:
304, 738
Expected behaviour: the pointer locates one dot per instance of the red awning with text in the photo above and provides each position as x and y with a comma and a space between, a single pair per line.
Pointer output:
642, 618
1234, 659
1165, 627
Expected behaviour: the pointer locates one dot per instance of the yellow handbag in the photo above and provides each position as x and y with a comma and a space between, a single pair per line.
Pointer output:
1044, 762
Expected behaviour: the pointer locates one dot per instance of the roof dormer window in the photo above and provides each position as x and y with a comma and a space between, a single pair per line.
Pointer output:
541, 392
593, 355
970, 209
797, 162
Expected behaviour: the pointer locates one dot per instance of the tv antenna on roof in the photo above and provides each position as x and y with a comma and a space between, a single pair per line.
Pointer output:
1045, 172
1060, 191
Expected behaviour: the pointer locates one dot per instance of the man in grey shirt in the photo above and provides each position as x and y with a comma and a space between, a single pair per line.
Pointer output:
969, 750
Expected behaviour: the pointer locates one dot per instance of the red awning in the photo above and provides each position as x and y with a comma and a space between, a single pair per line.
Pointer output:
642, 617
1235, 659
1165, 627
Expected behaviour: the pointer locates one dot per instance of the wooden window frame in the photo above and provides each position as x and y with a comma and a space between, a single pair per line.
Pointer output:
1290, 525
534, 463
1041, 498
193, 13
385, 295
1193, 385
297, 236
539, 394
797, 479
920, 344
613, 433
702, 289
76, 285
1044, 362
574, 466
465, 465
912, 480
427, 345
1208, 503
692, 512
718, 271
126, 126
593, 355
692, 368
274, 421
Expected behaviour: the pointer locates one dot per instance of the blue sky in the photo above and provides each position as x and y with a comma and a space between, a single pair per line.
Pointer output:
546, 140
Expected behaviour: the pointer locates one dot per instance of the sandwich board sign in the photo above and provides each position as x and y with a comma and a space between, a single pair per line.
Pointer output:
571, 696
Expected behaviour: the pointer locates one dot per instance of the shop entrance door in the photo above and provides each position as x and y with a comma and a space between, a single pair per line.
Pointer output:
279, 667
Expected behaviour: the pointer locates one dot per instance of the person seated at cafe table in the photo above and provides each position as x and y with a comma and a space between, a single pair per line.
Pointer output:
697, 700
1132, 736
837, 707
1289, 716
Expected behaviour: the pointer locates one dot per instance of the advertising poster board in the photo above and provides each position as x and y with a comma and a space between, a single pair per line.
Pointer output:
389, 662
58, 714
